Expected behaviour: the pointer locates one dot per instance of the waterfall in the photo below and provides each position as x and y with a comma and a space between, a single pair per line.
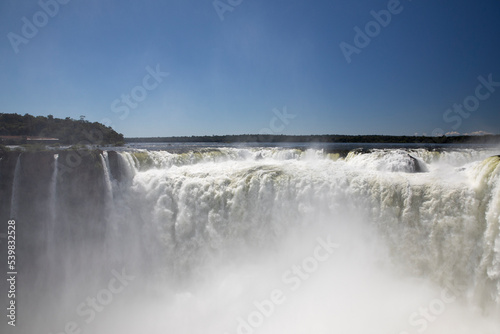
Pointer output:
14, 202
269, 240
53, 190
110, 213
107, 177
196, 206
487, 182
51, 220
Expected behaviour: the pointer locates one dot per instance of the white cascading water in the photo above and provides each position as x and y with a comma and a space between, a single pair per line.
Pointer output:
15, 188
109, 200
222, 207
53, 190
269, 240
107, 177
50, 224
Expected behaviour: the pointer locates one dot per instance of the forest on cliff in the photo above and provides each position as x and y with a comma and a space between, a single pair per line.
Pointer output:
276, 138
67, 131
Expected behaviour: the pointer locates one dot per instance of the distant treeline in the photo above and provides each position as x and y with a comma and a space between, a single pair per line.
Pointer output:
68, 130
322, 139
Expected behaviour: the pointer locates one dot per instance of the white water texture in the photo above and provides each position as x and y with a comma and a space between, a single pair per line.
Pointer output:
239, 240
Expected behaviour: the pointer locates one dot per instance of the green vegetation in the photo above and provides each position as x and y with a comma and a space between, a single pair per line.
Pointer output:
4, 149
323, 139
37, 147
143, 158
68, 130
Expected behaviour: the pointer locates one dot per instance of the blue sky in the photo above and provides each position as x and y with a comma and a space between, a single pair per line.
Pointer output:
263, 60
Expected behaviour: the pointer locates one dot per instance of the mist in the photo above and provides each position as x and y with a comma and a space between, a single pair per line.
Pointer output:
257, 240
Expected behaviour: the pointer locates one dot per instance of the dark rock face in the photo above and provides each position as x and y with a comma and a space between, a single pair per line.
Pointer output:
115, 167
52, 212
417, 165
79, 185
7, 167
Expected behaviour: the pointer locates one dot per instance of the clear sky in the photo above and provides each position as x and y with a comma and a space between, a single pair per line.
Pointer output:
185, 67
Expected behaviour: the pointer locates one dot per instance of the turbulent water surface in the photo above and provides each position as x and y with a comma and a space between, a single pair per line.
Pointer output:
260, 240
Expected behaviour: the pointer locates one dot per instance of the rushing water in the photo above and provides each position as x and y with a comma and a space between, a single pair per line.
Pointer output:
15, 189
53, 190
286, 240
